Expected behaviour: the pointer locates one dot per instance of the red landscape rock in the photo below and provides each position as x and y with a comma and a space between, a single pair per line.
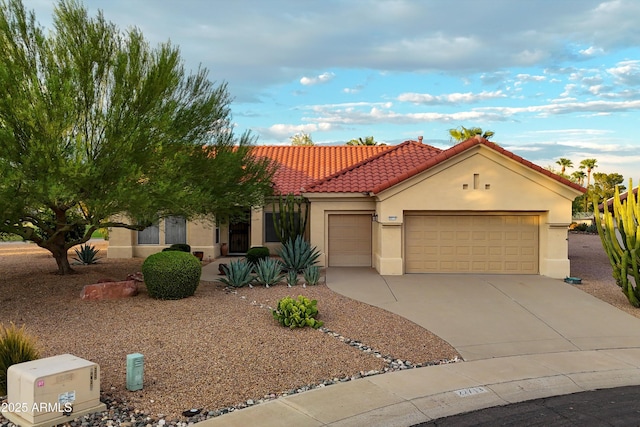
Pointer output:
110, 290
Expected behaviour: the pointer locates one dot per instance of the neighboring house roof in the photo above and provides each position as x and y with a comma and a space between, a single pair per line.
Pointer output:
367, 169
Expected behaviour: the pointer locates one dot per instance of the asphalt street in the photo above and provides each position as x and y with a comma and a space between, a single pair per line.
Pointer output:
604, 407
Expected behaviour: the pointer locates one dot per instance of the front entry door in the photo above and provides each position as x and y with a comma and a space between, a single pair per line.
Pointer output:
238, 237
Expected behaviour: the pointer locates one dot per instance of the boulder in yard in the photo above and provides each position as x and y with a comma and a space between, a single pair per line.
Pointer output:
109, 290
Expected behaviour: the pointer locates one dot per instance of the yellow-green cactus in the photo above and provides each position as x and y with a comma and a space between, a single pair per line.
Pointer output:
620, 235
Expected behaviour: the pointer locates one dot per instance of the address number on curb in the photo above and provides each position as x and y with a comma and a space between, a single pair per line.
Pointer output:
465, 392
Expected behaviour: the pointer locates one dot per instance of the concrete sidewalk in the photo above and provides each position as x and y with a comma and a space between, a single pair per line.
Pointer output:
524, 337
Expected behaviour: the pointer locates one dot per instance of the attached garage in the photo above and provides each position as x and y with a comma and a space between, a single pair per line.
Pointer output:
350, 240
458, 243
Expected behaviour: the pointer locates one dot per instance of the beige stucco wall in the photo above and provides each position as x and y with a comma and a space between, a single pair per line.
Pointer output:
123, 243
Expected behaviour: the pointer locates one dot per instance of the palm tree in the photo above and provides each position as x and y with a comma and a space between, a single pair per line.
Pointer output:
368, 140
565, 163
578, 177
589, 165
462, 133
301, 138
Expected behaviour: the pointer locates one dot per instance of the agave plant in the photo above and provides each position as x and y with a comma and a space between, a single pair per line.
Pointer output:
292, 278
298, 254
87, 255
312, 275
238, 274
268, 271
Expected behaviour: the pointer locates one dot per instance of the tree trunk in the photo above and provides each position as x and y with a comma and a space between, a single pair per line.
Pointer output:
62, 260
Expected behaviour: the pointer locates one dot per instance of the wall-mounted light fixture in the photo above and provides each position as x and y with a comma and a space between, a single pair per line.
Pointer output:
374, 217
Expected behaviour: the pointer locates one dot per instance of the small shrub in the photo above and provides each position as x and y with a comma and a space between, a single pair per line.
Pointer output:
580, 227
257, 253
238, 274
297, 313
181, 247
312, 275
87, 255
171, 274
592, 229
16, 346
268, 272
298, 254
292, 278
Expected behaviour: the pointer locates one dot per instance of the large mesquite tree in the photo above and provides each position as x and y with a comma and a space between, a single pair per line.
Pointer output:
619, 231
98, 129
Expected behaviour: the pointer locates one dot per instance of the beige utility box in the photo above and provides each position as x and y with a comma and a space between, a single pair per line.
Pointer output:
51, 391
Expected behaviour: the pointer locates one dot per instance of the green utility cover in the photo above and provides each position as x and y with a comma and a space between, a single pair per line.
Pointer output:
135, 371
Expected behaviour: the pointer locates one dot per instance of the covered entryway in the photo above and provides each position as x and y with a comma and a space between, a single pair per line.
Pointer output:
459, 243
349, 240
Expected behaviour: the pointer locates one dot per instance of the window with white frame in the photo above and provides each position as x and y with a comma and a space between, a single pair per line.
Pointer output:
175, 230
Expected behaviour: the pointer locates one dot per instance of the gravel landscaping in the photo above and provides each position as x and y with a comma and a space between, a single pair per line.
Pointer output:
221, 350
215, 351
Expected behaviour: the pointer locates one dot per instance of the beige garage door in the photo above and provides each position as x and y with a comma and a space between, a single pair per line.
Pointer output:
502, 244
349, 240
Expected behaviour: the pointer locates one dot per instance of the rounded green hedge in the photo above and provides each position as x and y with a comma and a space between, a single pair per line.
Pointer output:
171, 274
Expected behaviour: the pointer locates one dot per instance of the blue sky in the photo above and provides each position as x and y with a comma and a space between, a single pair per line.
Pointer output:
551, 78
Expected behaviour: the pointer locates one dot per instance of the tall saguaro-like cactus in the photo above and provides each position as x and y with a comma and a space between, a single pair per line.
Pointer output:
620, 235
290, 220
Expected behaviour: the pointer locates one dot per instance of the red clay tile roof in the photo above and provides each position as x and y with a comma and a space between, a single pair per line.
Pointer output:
385, 169
370, 169
300, 166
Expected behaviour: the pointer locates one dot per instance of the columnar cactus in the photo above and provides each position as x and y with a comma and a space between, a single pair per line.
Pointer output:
620, 235
290, 221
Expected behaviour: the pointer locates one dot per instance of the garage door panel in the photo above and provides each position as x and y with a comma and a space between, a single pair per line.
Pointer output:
472, 243
350, 240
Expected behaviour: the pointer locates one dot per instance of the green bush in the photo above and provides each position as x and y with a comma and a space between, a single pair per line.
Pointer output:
87, 255
181, 247
257, 253
312, 275
16, 346
581, 227
268, 272
171, 274
298, 254
238, 274
297, 313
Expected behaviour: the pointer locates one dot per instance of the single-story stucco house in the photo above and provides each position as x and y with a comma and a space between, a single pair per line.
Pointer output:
408, 208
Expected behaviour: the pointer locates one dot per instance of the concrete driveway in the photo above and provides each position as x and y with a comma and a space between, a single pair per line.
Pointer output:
486, 316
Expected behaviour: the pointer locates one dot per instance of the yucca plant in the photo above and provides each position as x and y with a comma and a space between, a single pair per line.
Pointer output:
16, 346
268, 271
87, 255
238, 274
312, 275
298, 254
292, 278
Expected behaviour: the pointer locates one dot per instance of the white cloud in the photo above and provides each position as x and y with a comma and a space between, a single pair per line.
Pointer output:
322, 78
452, 98
626, 72
592, 51
530, 78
